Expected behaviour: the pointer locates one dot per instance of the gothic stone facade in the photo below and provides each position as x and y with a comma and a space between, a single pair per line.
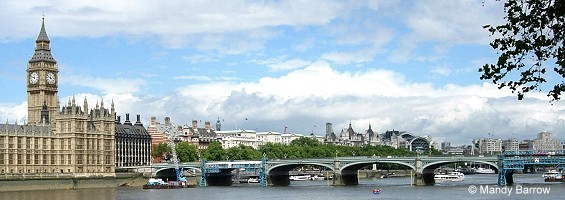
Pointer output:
68, 140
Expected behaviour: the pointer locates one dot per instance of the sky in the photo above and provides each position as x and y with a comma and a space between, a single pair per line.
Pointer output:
266, 65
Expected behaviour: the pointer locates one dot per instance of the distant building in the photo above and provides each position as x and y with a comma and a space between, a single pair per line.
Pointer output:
234, 138
488, 145
289, 137
204, 136
158, 133
445, 146
545, 142
396, 139
133, 143
318, 138
460, 150
348, 137
511, 144
270, 137
525, 145
330, 137
372, 138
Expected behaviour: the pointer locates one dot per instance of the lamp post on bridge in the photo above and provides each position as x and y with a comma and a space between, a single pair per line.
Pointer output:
419, 151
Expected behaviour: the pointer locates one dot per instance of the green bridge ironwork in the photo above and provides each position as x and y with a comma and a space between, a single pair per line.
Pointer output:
510, 161
344, 169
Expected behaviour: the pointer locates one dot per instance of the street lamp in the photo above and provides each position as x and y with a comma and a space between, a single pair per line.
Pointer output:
419, 151
336, 153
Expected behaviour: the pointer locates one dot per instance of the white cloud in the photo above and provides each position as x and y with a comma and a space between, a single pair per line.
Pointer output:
13, 112
444, 71
280, 63
445, 23
318, 94
170, 21
362, 56
106, 85
205, 78
197, 78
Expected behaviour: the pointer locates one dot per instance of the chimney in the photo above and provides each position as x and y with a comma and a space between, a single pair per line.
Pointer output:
194, 124
167, 121
153, 120
207, 125
138, 121
118, 119
127, 122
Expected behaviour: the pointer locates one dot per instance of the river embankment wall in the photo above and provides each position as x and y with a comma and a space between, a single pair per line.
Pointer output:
49, 183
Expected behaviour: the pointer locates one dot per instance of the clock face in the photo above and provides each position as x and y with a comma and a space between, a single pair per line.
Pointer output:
50, 78
33, 78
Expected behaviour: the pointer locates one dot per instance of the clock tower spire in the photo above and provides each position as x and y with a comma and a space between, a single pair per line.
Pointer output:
42, 80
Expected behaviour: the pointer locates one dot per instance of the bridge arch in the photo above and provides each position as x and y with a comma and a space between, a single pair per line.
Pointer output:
429, 168
349, 171
359, 165
279, 173
169, 173
437, 164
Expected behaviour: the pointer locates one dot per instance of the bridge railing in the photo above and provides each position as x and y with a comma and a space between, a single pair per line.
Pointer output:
534, 153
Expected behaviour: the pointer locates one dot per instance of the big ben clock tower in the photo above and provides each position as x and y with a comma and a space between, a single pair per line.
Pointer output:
42, 81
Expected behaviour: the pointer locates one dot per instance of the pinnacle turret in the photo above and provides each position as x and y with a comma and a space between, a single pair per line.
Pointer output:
42, 47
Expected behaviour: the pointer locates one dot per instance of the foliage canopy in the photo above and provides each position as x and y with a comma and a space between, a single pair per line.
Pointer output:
531, 47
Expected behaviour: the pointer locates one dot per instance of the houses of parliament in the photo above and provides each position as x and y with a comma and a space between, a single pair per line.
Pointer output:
57, 139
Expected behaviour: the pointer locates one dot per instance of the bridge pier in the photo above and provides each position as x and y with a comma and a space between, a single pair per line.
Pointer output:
279, 178
223, 178
338, 181
419, 178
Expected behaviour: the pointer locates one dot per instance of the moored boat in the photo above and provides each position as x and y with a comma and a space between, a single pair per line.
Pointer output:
451, 176
252, 180
481, 170
388, 175
466, 171
153, 183
317, 178
300, 178
552, 173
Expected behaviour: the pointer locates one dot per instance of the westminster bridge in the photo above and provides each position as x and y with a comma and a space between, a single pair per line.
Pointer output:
345, 169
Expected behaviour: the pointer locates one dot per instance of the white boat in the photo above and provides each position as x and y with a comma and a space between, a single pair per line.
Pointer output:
252, 180
481, 170
451, 176
317, 178
552, 173
300, 178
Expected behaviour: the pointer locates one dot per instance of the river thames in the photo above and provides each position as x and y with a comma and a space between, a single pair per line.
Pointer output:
479, 186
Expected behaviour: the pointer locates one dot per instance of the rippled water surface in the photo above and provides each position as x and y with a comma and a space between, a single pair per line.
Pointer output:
391, 188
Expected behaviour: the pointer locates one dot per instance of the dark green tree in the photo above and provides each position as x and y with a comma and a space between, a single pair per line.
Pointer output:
186, 152
161, 150
214, 151
242, 152
530, 46
305, 142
